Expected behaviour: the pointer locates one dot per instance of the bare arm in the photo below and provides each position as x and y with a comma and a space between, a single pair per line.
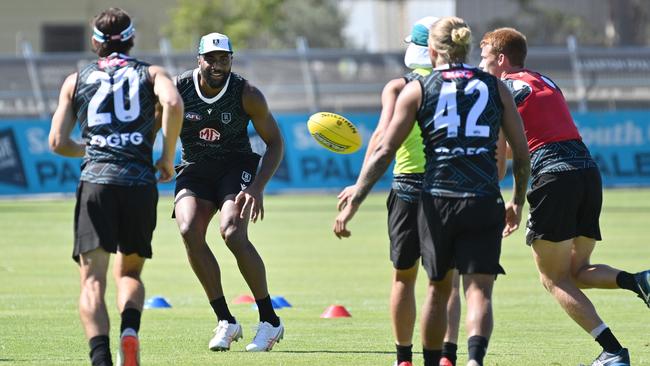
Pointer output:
171, 119
514, 132
267, 128
501, 155
398, 129
388, 98
63, 122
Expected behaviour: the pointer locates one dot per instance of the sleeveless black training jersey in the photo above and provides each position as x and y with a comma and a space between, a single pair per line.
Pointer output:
213, 128
114, 104
460, 118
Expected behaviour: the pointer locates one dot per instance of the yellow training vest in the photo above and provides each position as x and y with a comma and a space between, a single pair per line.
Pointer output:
409, 158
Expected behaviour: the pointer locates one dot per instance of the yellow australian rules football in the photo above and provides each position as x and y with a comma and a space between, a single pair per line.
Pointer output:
334, 132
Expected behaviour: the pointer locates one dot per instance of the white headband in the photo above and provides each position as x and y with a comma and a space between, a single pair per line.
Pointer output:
124, 35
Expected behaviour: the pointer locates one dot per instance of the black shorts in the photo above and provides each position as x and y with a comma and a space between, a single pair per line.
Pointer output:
214, 180
565, 205
115, 218
461, 233
403, 231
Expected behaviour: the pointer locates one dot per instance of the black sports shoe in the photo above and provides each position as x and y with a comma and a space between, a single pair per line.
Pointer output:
622, 358
642, 280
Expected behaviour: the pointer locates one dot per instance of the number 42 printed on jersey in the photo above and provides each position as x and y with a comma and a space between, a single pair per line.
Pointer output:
447, 112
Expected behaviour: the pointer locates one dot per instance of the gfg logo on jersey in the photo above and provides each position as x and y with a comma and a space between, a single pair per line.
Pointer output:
209, 134
461, 151
117, 139
193, 116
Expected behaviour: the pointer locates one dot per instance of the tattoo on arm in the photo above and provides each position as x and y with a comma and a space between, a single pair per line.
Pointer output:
369, 177
521, 170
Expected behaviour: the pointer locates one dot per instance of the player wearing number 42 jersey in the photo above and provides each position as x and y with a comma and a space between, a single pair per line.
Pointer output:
460, 110
114, 99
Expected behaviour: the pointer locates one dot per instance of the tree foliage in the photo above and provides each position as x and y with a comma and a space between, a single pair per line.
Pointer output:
548, 26
544, 25
257, 23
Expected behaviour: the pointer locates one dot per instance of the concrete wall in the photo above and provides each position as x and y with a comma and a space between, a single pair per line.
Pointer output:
380, 25
22, 19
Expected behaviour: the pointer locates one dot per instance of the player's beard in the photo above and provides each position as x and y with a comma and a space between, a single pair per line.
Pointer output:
215, 83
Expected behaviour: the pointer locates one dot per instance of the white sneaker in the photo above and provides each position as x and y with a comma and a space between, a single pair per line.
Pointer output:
129, 351
224, 334
266, 336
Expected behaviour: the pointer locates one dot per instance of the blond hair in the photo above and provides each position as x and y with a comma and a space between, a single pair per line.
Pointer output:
451, 38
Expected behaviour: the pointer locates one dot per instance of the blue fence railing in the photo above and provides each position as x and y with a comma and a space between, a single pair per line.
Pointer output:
619, 141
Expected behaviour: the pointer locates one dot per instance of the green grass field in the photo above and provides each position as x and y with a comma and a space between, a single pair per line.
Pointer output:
312, 269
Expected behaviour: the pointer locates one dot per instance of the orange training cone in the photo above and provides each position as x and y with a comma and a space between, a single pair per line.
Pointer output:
243, 299
335, 311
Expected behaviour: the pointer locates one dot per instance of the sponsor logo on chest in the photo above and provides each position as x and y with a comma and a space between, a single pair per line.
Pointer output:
209, 134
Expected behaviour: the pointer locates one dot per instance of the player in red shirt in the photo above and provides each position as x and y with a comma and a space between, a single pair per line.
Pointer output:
565, 197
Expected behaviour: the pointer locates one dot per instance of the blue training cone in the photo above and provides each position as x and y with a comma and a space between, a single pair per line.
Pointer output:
157, 302
281, 301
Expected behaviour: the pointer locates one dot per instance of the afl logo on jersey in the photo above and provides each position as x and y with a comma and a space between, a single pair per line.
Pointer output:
226, 118
193, 116
209, 134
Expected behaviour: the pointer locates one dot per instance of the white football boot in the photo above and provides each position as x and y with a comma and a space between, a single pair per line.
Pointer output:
266, 337
224, 334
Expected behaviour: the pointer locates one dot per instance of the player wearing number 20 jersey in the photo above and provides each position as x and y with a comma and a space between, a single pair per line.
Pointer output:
114, 100
114, 103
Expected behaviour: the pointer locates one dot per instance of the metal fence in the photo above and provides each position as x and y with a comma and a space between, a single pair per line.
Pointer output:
306, 80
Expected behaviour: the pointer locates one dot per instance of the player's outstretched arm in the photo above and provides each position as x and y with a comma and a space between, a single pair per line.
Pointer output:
397, 130
267, 128
514, 132
171, 119
63, 122
388, 99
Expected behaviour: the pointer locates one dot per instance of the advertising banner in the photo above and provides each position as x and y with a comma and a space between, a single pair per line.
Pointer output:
618, 141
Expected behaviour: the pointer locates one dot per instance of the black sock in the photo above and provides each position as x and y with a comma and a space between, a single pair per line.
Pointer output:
626, 281
449, 350
267, 314
477, 347
404, 353
221, 310
609, 343
431, 356
100, 352
130, 319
